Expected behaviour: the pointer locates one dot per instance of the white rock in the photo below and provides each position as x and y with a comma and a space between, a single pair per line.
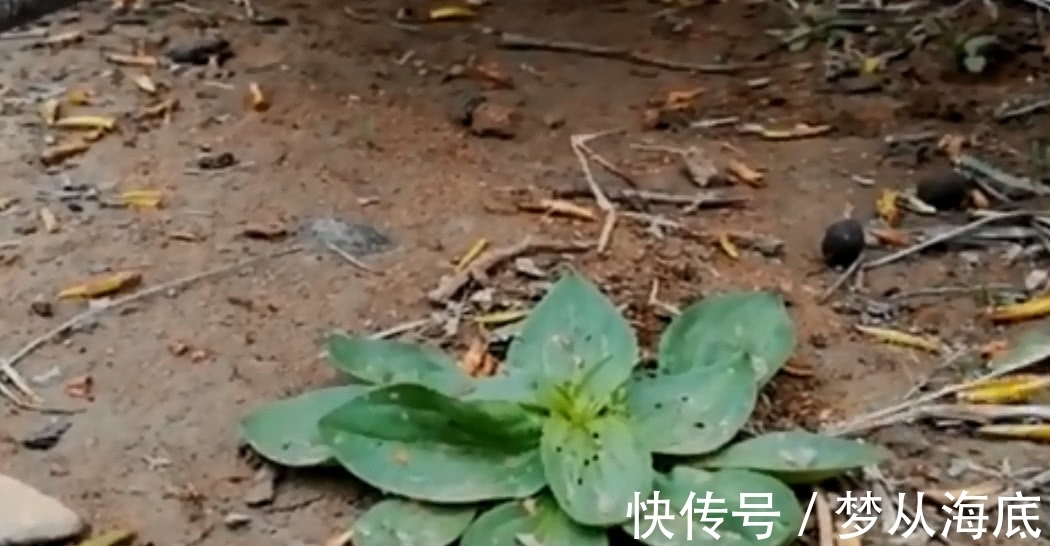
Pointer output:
28, 516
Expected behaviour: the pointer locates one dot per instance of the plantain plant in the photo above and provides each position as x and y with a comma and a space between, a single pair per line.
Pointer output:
553, 449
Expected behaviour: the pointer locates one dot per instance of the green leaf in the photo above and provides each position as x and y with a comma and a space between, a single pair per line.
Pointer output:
385, 362
796, 456
402, 522
415, 442
594, 468
540, 517
726, 486
513, 387
285, 431
694, 412
576, 336
718, 329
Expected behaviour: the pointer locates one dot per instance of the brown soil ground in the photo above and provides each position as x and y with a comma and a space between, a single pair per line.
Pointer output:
362, 128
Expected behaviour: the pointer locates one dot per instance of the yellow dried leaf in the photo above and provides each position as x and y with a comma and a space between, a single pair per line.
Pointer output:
79, 97
256, 99
60, 152
501, 317
744, 173
116, 537
49, 220
1039, 432
886, 206
49, 111
871, 65
896, 337
472, 254
141, 198
132, 60
1006, 390
105, 123
447, 13
145, 83
727, 246
103, 286
477, 361
1034, 308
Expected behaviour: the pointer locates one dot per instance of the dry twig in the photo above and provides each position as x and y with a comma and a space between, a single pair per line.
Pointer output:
449, 285
509, 40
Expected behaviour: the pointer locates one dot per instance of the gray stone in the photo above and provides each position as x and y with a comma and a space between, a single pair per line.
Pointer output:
28, 516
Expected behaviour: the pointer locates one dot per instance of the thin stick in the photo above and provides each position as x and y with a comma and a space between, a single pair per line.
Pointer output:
353, 260
7, 365
509, 40
843, 278
948, 235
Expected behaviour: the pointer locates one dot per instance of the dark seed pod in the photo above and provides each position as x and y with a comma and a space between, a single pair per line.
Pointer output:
843, 243
943, 191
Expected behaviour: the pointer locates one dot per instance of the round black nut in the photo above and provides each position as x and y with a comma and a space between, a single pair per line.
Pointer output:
943, 191
843, 243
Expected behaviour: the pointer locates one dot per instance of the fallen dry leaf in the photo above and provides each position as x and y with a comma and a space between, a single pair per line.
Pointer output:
472, 254
726, 244
1006, 390
886, 206
145, 83
64, 39
60, 152
49, 220
149, 199
801, 130
797, 369
682, 100
79, 97
103, 286
133, 60
477, 361
562, 208
82, 387
161, 109
890, 237
267, 232
49, 111
256, 100
896, 337
1040, 432
494, 72
1034, 308
449, 13
740, 171
501, 317
106, 123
